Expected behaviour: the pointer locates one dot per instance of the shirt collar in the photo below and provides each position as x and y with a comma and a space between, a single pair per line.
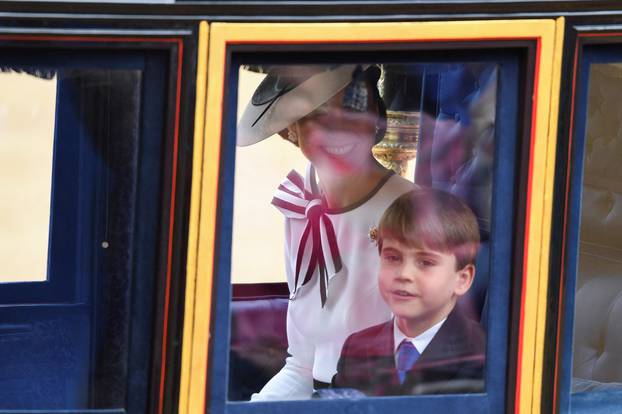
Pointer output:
420, 342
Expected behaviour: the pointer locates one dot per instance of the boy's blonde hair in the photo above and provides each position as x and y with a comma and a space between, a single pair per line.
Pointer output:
431, 218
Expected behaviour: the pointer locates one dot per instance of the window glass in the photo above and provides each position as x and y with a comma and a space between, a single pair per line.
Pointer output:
83, 340
597, 357
26, 148
388, 213
258, 168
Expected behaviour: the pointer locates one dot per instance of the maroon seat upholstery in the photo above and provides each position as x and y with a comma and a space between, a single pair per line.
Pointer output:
258, 345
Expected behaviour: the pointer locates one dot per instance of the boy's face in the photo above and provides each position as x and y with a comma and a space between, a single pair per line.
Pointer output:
420, 285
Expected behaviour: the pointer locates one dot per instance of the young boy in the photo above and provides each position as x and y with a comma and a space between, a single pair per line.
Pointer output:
427, 240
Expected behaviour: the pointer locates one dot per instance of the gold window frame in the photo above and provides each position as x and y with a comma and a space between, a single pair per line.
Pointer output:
215, 38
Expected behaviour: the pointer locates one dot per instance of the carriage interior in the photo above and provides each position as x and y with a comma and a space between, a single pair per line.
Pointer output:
454, 152
597, 345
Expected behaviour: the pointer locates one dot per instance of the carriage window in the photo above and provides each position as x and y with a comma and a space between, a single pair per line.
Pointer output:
331, 237
81, 141
26, 148
597, 357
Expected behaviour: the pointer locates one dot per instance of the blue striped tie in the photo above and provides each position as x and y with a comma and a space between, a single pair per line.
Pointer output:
407, 355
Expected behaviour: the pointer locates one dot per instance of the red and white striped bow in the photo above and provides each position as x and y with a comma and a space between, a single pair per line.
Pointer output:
300, 199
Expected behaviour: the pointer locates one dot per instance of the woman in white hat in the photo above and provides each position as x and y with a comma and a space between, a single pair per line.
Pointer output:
334, 114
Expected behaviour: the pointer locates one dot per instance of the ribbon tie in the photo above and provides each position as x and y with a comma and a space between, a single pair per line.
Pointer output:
300, 199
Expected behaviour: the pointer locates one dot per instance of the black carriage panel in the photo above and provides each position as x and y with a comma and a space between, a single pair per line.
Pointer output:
85, 328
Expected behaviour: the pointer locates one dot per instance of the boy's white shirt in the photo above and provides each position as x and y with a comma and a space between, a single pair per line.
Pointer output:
420, 342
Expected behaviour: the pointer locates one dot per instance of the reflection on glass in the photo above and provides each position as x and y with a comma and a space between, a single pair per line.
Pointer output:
26, 148
597, 351
384, 282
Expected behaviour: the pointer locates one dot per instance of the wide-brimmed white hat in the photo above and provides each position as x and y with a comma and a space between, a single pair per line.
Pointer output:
287, 94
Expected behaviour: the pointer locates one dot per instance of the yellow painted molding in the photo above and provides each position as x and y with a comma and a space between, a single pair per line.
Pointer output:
547, 33
535, 276
229, 33
188, 376
549, 174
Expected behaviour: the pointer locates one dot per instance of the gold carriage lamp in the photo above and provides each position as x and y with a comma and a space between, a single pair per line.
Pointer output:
401, 88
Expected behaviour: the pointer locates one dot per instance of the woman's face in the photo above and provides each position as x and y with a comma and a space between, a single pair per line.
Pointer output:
338, 140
